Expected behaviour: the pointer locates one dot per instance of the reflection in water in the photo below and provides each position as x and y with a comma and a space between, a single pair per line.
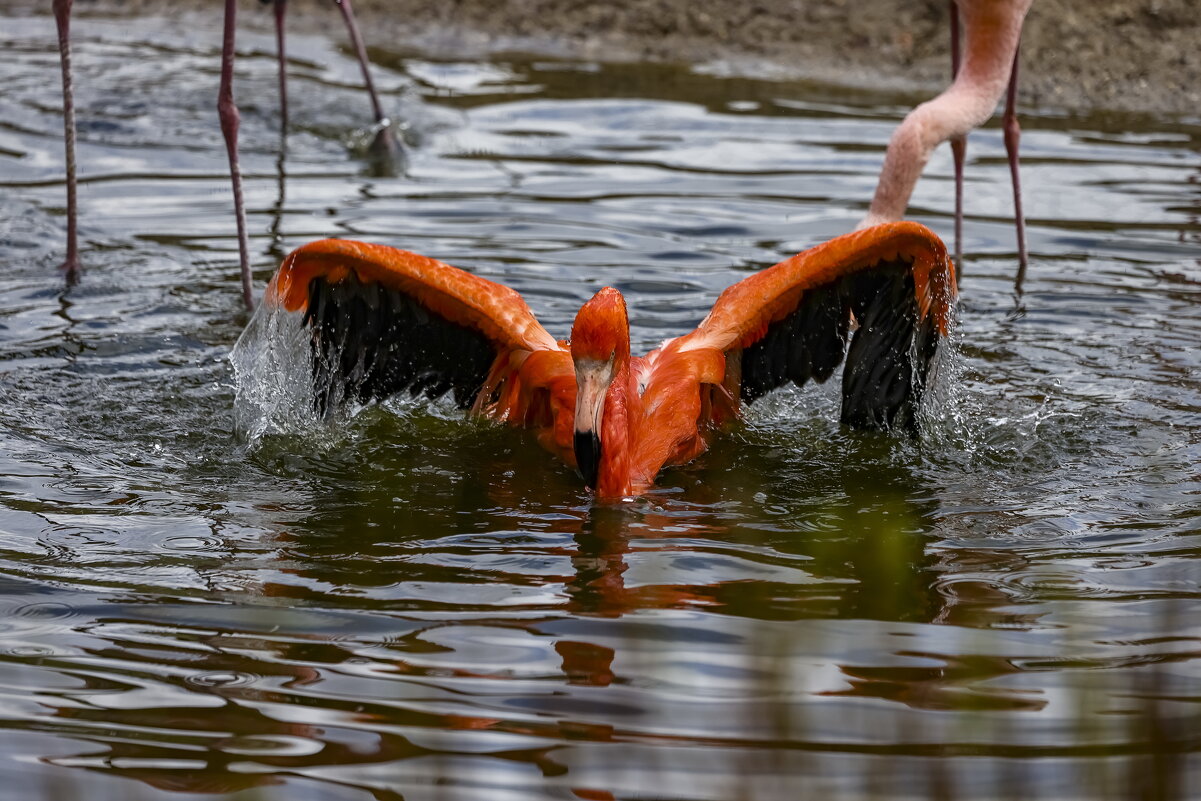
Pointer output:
456, 696
276, 251
248, 681
406, 604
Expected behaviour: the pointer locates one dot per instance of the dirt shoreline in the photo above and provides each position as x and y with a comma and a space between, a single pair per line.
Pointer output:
1102, 55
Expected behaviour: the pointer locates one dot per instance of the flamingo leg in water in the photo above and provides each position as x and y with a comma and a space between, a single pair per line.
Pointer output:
62, 18
228, 111
1013, 135
384, 145
958, 149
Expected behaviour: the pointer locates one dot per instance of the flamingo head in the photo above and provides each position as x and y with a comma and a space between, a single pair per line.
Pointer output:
600, 347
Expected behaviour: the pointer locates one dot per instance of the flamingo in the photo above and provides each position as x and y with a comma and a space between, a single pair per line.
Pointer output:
992, 30
381, 321
384, 144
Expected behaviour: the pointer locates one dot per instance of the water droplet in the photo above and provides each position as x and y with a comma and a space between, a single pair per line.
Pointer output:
221, 679
191, 543
1123, 563
1045, 585
29, 651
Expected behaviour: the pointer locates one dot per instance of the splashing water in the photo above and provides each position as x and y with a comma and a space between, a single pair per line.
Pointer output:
273, 365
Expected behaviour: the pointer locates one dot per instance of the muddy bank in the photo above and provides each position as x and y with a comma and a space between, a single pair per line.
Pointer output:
1106, 55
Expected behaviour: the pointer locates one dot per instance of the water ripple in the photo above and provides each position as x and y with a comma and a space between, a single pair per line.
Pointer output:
205, 588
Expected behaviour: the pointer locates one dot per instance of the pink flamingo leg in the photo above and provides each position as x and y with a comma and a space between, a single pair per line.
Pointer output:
228, 112
281, 9
385, 143
1013, 135
958, 149
62, 18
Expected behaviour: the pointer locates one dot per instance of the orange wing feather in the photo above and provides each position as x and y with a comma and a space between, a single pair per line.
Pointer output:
743, 312
526, 380
495, 310
889, 291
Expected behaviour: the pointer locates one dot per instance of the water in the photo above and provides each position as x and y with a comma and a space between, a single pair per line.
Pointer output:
406, 604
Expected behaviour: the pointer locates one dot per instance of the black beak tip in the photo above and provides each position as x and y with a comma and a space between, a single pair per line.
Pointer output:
587, 446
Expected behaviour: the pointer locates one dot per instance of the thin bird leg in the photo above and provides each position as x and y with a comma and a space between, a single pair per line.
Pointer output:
1013, 135
385, 143
281, 8
958, 149
62, 18
228, 112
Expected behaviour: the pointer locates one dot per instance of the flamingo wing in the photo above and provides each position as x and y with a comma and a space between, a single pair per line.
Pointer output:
383, 321
791, 322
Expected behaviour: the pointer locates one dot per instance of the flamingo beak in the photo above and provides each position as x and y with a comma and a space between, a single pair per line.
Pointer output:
587, 447
592, 383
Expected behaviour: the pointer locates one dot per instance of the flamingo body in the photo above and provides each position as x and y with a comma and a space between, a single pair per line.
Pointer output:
383, 321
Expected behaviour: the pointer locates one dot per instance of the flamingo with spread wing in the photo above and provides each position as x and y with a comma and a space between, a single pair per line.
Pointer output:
382, 321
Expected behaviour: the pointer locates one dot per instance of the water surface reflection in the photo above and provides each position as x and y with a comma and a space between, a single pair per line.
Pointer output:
406, 604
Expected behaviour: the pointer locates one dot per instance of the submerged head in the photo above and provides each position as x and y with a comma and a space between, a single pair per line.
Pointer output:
600, 346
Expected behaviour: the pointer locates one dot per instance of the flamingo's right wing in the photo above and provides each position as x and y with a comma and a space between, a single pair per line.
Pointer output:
791, 322
384, 320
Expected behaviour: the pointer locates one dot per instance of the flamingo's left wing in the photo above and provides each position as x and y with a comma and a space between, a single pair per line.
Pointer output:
384, 320
791, 322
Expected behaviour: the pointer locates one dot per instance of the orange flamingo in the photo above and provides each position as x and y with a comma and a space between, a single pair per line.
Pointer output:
992, 29
383, 320
384, 144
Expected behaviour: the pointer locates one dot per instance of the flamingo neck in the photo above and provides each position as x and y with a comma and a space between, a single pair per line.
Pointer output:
992, 31
614, 478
